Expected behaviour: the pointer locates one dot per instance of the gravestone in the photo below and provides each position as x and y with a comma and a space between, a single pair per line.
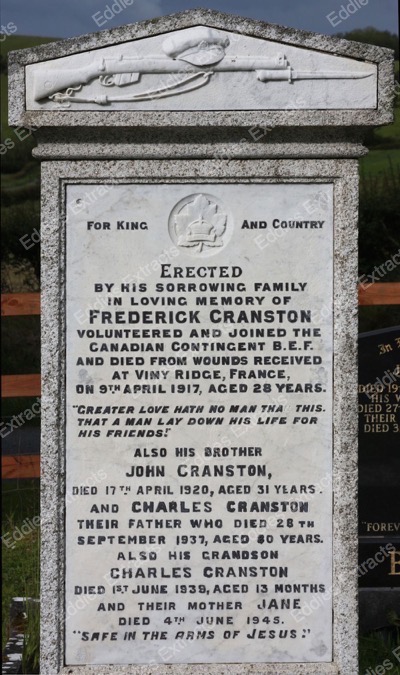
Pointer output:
379, 463
199, 218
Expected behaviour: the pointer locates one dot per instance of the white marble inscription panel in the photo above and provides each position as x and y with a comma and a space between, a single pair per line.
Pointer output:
199, 423
201, 68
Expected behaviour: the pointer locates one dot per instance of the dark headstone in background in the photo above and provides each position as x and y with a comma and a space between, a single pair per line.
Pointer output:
379, 475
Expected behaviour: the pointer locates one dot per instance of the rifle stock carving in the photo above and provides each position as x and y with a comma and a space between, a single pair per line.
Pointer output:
190, 61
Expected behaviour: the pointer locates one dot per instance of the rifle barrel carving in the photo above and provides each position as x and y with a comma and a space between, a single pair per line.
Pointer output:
51, 82
124, 71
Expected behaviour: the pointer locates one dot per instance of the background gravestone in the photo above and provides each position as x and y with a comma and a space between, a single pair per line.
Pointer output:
199, 337
379, 428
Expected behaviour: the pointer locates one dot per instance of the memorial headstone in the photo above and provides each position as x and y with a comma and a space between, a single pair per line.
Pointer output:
199, 218
379, 468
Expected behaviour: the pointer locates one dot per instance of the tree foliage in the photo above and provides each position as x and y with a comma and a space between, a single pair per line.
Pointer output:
373, 36
3, 64
18, 222
378, 229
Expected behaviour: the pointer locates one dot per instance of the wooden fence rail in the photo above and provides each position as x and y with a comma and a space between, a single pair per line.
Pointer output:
20, 304
26, 304
379, 294
20, 385
20, 466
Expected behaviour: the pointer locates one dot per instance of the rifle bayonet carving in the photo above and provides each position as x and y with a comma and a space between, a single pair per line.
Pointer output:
190, 60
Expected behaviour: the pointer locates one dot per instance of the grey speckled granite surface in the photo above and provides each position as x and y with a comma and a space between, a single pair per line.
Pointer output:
343, 174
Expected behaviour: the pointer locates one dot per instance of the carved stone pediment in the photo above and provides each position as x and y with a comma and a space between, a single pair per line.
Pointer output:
201, 68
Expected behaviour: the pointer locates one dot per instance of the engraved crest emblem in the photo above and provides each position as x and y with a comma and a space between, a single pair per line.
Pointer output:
198, 222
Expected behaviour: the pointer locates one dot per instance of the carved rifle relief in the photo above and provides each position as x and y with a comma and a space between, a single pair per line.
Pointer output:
191, 58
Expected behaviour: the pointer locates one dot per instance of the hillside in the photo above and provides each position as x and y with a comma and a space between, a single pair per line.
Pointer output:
12, 43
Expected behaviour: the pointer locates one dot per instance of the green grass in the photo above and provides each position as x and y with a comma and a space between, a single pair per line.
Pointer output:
377, 162
21, 562
377, 650
392, 131
28, 176
384, 144
31, 652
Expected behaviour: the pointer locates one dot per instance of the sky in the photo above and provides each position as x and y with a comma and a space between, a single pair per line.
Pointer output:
68, 18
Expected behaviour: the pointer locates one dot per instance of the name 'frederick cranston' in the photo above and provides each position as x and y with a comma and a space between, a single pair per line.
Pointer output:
193, 317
